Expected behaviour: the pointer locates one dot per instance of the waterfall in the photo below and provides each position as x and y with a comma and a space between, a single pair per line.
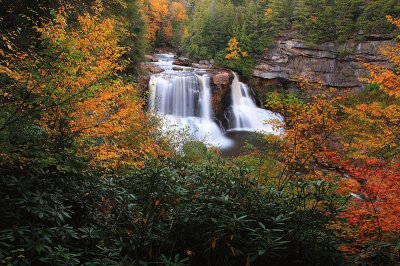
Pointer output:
245, 115
183, 101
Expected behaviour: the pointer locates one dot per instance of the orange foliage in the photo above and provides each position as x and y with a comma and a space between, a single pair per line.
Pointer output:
371, 140
387, 78
310, 131
79, 94
160, 15
155, 11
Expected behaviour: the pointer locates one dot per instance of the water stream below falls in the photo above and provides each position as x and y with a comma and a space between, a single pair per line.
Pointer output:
183, 100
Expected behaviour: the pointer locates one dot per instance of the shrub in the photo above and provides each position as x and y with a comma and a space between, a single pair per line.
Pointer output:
168, 212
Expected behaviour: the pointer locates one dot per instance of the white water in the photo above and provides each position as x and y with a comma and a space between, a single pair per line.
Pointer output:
164, 61
246, 116
183, 101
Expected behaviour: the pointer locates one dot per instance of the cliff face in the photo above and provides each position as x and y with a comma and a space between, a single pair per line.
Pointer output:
337, 65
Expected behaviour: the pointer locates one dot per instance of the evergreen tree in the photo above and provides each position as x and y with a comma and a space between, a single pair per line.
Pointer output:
346, 14
315, 20
373, 20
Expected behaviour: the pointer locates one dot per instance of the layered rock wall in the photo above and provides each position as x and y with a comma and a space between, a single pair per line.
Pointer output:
337, 66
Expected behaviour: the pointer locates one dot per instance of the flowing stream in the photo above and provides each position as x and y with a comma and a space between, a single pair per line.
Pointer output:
182, 99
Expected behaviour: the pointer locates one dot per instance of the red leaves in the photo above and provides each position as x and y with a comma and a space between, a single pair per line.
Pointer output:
373, 212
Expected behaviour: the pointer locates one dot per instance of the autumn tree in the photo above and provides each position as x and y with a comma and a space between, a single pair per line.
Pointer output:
310, 131
72, 91
164, 19
371, 135
234, 52
235, 58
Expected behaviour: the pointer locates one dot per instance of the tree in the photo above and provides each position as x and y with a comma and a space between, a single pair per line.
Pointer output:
72, 91
371, 133
346, 14
372, 19
278, 14
165, 21
209, 28
315, 20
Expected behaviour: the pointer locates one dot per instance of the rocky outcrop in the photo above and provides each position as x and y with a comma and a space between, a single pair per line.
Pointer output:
203, 64
220, 81
336, 65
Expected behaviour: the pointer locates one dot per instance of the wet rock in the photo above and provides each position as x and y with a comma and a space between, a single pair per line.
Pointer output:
204, 62
152, 69
222, 79
195, 65
177, 68
150, 58
183, 61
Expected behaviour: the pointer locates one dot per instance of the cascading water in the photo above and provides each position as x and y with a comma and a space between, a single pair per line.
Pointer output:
183, 101
164, 61
246, 116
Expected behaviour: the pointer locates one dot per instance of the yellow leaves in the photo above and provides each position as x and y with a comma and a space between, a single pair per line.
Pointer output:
394, 21
310, 130
373, 127
154, 11
388, 80
98, 7
234, 51
268, 12
178, 11
81, 93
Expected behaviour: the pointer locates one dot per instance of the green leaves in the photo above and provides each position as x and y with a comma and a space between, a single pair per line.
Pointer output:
168, 212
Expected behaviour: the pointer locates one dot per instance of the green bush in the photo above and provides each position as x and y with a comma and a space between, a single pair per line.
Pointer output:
244, 65
169, 212
194, 151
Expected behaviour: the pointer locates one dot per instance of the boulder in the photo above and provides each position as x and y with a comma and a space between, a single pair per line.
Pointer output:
183, 61
204, 62
222, 79
150, 58
176, 68
151, 69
